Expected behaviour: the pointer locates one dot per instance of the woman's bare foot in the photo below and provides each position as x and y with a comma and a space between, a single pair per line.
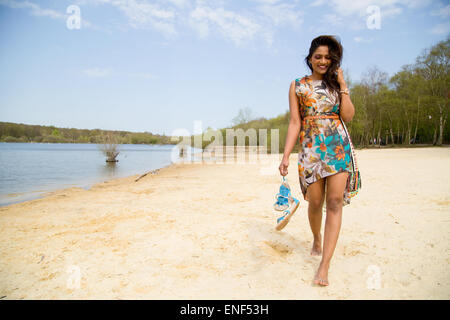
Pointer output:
321, 277
317, 246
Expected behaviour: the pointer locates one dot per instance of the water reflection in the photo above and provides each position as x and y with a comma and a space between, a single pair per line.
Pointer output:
109, 170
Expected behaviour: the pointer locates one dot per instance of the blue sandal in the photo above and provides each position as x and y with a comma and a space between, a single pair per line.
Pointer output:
287, 214
282, 197
286, 203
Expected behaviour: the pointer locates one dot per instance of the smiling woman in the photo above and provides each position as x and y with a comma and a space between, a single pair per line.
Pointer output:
325, 55
319, 105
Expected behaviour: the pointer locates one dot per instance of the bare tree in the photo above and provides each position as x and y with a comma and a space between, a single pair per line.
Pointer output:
245, 115
375, 79
109, 147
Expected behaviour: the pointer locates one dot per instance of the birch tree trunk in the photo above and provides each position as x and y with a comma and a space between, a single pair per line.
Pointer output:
379, 138
434, 136
403, 135
409, 131
392, 135
379, 131
417, 119
442, 120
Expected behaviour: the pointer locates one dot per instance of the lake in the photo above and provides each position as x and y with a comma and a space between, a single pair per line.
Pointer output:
28, 170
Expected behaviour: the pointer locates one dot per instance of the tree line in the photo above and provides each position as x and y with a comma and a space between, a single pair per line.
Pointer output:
18, 132
409, 108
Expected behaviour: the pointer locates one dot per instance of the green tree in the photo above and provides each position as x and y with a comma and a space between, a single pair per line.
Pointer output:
433, 65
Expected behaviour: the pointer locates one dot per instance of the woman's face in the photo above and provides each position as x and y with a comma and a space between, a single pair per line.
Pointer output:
320, 60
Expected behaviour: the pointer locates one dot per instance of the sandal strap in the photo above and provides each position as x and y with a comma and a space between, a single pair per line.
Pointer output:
283, 216
278, 196
282, 201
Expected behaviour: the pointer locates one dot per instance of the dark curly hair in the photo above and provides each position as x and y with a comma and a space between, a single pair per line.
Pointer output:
335, 51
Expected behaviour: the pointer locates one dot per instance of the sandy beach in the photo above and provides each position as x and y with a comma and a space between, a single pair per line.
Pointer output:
206, 231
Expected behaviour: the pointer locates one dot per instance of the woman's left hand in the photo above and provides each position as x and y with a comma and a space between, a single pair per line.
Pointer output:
340, 76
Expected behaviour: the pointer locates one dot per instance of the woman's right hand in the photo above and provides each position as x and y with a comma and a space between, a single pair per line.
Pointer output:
284, 166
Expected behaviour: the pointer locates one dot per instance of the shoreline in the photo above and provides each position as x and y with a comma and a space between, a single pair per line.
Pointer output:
44, 193
190, 227
40, 191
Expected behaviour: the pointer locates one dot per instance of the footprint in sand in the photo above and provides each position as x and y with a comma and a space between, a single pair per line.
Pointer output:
276, 248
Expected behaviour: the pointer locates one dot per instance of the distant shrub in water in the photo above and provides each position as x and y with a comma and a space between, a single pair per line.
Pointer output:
109, 147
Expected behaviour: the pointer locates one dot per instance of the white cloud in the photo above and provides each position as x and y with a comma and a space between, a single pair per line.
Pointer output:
36, 10
143, 75
201, 27
389, 8
329, 20
180, 3
234, 26
362, 40
262, 22
333, 19
317, 3
415, 3
352, 14
442, 28
442, 12
266, 1
282, 14
206, 17
97, 72
143, 14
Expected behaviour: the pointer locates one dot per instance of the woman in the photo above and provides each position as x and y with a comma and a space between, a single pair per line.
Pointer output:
324, 160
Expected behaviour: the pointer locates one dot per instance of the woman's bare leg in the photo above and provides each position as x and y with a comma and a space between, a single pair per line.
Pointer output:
334, 197
316, 196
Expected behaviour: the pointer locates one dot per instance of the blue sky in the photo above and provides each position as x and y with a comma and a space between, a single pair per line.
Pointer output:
160, 65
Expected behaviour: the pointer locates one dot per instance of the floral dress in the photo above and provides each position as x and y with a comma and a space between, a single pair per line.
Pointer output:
324, 145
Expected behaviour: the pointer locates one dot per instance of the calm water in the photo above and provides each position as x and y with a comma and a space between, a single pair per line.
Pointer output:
27, 170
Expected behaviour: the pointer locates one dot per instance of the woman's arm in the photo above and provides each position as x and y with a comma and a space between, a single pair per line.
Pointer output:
293, 129
347, 109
